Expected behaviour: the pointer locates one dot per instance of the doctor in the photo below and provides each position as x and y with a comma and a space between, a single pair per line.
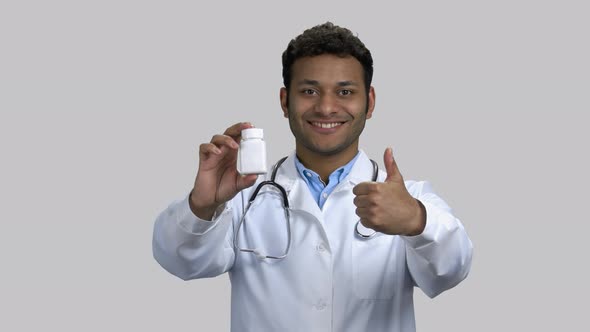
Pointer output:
332, 279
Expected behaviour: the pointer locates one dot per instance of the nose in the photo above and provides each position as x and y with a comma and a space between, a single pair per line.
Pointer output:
327, 104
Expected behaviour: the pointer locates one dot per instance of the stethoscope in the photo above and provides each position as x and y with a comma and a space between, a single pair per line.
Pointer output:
363, 233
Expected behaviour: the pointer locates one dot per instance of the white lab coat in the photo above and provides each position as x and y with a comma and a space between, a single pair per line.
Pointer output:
331, 280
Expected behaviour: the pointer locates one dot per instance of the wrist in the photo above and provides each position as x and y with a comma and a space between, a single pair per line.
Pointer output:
201, 212
419, 221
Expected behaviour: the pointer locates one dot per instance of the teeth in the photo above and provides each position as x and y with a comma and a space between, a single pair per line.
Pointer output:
326, 125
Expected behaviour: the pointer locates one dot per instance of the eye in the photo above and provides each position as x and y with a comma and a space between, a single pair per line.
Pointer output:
308, 92
345, 92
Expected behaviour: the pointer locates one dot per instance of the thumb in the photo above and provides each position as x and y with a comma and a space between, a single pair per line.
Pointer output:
393, 173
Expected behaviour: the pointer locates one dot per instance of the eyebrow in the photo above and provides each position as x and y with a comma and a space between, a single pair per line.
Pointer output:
316, 83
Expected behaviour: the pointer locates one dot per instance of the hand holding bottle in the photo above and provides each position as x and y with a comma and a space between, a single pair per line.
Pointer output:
218, 179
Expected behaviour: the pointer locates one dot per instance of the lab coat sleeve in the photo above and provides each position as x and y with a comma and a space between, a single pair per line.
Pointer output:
189, 247
440, 257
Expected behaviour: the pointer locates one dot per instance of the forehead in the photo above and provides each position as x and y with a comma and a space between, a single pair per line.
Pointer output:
327, 68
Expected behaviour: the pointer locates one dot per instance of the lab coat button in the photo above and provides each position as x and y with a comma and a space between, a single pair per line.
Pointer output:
320, 306
320, 247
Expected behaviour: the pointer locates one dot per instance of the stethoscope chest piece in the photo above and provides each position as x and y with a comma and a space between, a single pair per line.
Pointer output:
363, 232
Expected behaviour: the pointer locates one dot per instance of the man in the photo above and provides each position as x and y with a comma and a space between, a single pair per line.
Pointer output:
356, 247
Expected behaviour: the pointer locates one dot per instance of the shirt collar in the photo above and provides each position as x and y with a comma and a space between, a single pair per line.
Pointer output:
339, 174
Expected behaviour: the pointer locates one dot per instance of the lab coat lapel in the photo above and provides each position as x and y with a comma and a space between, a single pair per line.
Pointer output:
362, 171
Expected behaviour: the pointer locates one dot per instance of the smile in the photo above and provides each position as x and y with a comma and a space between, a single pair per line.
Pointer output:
326, 124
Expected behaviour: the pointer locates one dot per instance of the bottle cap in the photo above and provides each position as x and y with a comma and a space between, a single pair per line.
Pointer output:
252, 133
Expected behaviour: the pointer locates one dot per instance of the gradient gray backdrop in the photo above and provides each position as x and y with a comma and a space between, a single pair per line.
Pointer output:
103, 105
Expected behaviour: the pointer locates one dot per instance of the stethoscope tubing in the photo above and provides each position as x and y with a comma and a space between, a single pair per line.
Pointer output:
270, 182
356, 227
286, 208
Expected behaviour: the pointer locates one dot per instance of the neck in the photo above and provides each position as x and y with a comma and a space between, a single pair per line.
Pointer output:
324, 165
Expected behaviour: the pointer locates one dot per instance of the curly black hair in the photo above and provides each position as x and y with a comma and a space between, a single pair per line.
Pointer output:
327, 38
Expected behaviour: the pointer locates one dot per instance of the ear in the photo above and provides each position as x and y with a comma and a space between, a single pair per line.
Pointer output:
284, 102
371, 103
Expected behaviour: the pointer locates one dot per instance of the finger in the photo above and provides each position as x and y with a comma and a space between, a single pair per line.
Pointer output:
364, 214
206, 149
245, 181
363, 201
365, 227
235, 131
224, 140
360, 212
369, 226
365, 188
360, 189
393, 173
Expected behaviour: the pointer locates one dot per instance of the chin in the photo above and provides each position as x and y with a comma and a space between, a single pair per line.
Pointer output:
328, 151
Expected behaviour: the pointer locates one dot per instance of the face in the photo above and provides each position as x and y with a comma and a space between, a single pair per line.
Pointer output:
327, 104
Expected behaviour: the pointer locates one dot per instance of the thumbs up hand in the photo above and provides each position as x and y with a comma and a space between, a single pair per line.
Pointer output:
388, 207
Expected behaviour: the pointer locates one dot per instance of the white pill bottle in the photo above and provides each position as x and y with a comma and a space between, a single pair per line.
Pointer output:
252, 153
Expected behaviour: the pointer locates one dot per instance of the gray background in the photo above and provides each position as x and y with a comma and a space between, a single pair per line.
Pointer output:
103, 105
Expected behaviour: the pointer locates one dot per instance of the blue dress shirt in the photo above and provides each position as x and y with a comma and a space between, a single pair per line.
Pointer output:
319, 190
